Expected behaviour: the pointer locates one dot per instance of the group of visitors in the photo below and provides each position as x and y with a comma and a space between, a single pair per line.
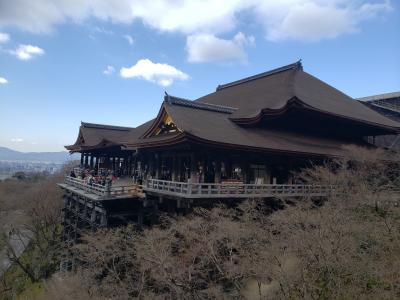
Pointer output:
104, 177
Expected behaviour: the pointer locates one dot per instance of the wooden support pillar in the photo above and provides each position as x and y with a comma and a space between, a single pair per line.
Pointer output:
193, 167
82, 159
86, 160
244, 168
217, 178
178, 168
85, 208
127, 158
91, 161
113, 164
154, 214
202, 168
129, 165
174, 172
93, 217
140, 218
151, 166
158, 165
103, 221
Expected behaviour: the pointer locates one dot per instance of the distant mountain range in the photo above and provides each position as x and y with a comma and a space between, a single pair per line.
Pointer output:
54, 157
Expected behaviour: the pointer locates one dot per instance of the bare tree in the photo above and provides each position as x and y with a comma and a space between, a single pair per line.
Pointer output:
347, 246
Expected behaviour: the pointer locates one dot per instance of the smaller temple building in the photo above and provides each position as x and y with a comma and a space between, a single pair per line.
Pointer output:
388, 105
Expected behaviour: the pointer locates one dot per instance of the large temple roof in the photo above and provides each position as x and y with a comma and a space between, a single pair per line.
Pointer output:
273, 90
218, 118
215, 128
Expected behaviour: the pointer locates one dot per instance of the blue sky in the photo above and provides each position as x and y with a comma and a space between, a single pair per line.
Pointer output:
62, 62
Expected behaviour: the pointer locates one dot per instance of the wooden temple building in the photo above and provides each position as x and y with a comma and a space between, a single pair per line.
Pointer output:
244, 140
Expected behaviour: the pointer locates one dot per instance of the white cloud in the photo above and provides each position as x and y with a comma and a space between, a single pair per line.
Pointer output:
285, 19
129, 39
17, 140
4, 37
3, 80
315, 20
209, 48
185, 15
108, 70
162, 74
27, 52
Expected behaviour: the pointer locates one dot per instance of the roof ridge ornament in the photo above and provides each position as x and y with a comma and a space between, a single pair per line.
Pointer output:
299, 64
167, 97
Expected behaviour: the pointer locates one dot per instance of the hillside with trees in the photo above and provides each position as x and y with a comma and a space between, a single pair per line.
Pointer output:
345, 246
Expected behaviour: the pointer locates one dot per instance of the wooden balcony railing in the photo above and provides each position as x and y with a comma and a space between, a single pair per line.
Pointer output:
234, 190
202, 190
101, 190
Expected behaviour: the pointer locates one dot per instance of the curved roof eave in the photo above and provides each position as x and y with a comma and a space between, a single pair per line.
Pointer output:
296, 102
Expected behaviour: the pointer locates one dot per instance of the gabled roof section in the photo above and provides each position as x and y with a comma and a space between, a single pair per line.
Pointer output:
93, 136
165, 116
296, 65
163, 124
106, 127
272, 92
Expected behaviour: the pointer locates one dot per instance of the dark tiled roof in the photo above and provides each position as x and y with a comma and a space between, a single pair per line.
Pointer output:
273, 90
95, 135
198, 105
107, 127
296, 65
210, 118
214, 127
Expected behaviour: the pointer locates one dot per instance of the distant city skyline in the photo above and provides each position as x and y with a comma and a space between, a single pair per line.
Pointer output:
105, 62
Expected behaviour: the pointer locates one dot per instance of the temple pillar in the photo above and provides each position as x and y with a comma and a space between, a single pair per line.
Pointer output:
151, 166
91, 161
202, 168
82, 156
86, 160
244, 169
157, 162
217, 178
179, 168
174, 172
193, 167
